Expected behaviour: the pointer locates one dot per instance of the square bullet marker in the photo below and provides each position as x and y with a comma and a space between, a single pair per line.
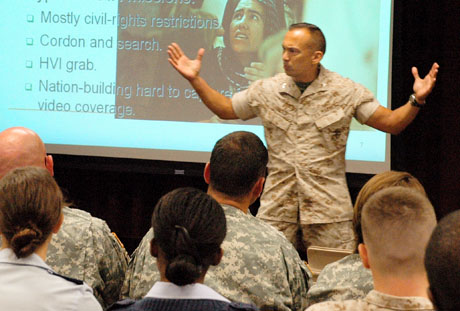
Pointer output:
29, 64
28, 87
30, 41
30, 18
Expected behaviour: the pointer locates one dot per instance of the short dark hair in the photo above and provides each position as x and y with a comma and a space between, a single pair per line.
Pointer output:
189, 226
442, 262
316, 33
30, 207
238, 160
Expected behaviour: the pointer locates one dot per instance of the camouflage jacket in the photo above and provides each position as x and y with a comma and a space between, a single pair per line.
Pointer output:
259, 266
344, 279
306, 137
376, 301
86, 249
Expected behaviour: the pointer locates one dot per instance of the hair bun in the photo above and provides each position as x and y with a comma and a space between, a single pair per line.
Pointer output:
25, 241
183, 269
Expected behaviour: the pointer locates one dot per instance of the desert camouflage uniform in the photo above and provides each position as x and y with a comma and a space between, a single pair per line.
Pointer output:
376, 301
345, 279
306, 136
86, 249
259, 266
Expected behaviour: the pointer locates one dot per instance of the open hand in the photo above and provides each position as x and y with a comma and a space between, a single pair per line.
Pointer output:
187, 67
423, 87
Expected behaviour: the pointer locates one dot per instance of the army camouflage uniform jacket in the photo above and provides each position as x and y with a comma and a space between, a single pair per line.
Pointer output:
376, 301
344, 279
259, 266
86, 249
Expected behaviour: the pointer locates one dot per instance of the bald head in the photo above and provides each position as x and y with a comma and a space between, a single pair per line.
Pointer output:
21, 147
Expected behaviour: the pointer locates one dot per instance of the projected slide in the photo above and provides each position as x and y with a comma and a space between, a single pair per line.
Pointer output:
92, 76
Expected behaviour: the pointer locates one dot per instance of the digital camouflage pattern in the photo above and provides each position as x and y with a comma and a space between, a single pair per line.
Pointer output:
86, 249
259, 266
376, 301
306, 136
345, 279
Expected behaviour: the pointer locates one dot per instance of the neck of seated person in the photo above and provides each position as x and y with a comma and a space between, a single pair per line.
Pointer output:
40, 250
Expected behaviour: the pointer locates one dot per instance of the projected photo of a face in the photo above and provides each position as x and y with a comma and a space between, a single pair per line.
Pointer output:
231, 32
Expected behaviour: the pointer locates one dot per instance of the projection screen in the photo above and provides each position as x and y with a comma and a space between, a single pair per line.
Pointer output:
91, 77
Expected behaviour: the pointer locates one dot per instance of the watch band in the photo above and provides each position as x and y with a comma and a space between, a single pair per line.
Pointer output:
413, 102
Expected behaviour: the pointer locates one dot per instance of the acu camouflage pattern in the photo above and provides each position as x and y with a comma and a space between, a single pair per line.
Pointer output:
259, 267
345, 279
376, 301
306, 136
86, 249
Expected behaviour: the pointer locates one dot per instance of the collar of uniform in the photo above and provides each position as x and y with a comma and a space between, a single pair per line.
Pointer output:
398, 303
7, 255
289, 87
165, 290
230, 210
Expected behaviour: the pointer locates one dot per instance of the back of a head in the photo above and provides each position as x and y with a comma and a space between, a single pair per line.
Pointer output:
238, 160
376, 183
189, 227
30, 207
397, 223
442, 263
315, 32
20, 147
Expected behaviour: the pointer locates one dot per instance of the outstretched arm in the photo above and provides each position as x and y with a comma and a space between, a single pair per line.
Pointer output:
395, 121
190, 70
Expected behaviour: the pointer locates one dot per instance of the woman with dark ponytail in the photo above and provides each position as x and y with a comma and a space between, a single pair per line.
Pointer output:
30, 212
189, 227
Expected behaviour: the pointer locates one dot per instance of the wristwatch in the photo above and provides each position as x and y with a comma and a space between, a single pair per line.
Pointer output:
413, 102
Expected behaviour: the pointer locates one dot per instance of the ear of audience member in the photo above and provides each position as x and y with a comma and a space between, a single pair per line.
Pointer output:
442, 262
347, 278
30, 211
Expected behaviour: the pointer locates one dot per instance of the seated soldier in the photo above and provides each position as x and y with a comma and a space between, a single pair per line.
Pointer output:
259, 265
442, 263
396, 223
347, 278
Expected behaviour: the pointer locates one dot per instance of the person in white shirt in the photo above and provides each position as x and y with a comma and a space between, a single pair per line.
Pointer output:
30, 213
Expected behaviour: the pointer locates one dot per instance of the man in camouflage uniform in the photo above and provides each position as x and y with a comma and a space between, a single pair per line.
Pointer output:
259, 265
306, 113
442, 263
347, 278
84, 248
396, 223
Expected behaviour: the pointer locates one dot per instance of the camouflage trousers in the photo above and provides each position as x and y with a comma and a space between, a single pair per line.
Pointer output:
336, 235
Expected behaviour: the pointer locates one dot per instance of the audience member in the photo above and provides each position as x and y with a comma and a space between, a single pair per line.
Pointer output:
259, 265
84, 248
30, 212
347, 278
396, 224
189, 228
442, 262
